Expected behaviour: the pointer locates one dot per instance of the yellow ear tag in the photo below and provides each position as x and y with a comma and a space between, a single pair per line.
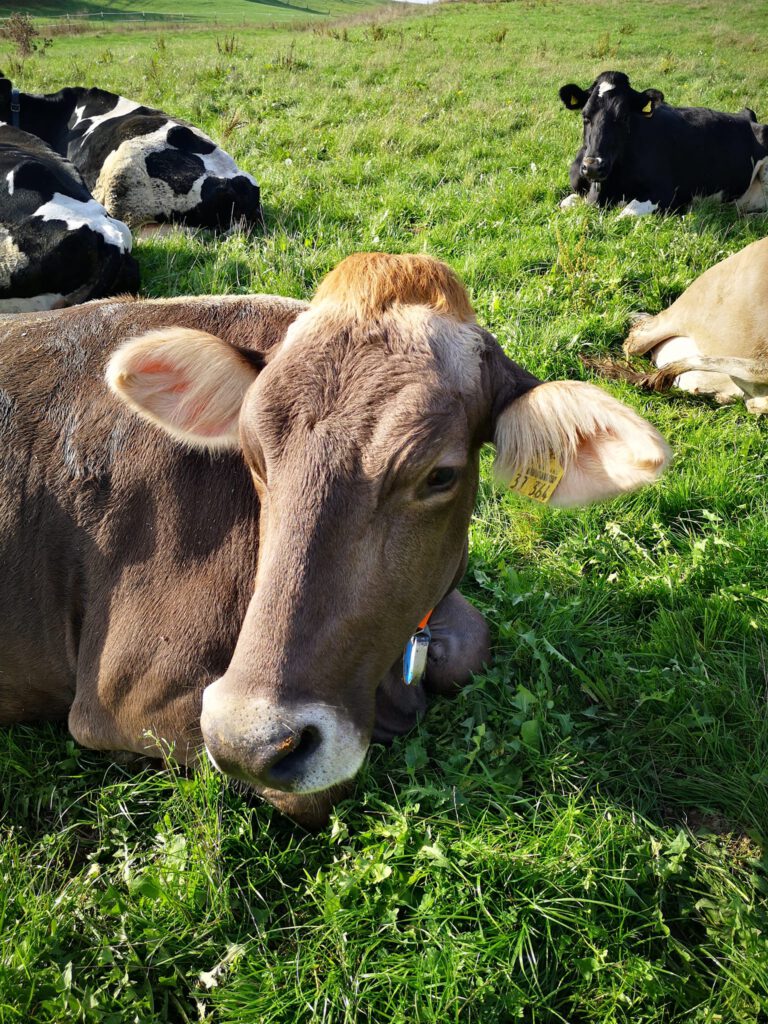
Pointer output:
648, 107
538, 481
573, 101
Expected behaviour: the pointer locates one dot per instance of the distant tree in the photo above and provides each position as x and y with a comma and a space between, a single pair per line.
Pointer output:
21, 31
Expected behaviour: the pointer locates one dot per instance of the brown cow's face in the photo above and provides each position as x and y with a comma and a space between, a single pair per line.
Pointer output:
365, 456
362, 435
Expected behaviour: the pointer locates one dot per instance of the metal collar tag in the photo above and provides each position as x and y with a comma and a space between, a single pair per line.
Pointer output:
415, 656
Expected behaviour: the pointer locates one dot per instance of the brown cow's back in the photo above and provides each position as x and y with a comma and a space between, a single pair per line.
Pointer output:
95, 508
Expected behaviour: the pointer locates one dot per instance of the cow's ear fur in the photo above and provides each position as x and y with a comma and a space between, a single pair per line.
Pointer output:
646, 102
604, 447
190, 383
573, 97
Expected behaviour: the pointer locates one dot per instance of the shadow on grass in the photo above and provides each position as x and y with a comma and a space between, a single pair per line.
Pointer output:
283, 5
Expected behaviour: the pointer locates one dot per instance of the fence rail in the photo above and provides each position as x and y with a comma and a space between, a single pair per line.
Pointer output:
99, 16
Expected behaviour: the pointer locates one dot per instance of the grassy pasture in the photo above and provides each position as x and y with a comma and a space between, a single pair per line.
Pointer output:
580, 836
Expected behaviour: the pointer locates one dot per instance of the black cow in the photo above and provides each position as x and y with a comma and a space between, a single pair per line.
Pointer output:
640, 151
58, 246
144, 166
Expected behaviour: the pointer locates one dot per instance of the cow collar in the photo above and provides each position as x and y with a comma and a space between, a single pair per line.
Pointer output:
415, 653
15, 108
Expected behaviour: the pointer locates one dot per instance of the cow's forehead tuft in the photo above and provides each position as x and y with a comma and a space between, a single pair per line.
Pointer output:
617, 79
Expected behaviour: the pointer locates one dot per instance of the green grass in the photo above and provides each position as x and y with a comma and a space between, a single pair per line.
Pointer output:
580, 835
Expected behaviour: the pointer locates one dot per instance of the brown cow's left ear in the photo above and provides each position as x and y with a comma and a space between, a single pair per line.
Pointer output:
646, 102
601, 445
190, 383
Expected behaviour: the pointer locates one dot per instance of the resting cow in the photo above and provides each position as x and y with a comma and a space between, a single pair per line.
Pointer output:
243, 562
640, 151
144, 166
714, 339
58, 246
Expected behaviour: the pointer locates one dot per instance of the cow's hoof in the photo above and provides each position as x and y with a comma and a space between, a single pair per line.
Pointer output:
460, 645
758, 406
638, 208
572, 200
635, 343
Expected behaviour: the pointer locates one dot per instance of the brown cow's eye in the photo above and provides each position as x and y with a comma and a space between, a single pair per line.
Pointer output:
442, 478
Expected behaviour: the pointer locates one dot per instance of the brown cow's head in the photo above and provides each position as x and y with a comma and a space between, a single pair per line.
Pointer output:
362, 434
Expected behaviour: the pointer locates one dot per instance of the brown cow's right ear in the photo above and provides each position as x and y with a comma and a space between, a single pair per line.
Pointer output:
190, 383
573, 97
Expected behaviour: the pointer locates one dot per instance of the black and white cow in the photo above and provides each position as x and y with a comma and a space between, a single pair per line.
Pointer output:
58, 246
640, 151
144, 166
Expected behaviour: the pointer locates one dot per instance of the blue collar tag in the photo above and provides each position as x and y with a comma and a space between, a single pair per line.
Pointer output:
415, 656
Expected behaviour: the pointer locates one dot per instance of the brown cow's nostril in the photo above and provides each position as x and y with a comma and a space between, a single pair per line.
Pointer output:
291, 756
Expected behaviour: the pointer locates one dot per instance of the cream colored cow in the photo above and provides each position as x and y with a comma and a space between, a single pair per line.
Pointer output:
714, 339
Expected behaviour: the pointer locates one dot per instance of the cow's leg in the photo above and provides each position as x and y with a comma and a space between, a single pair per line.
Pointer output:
638, 208
758, 406
755, 199
696, 382
648, 332
579, 185
398, 707
749, 377
460, 645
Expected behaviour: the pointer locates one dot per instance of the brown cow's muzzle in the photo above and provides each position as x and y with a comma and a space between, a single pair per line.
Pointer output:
302, 748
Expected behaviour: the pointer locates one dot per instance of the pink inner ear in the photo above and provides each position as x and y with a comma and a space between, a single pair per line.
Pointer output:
154, 367
195, 419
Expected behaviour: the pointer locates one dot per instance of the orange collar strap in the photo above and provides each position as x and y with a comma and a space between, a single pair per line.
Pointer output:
425, 621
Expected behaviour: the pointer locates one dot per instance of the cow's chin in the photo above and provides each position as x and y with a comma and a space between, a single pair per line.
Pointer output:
310, 810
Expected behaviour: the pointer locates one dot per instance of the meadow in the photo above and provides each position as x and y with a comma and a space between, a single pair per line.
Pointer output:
580, 836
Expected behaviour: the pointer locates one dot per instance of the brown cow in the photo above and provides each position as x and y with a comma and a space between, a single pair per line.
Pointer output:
714, 339
246, 568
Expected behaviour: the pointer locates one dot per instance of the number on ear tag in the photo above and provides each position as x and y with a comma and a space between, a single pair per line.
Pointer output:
415, 656
538, 481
